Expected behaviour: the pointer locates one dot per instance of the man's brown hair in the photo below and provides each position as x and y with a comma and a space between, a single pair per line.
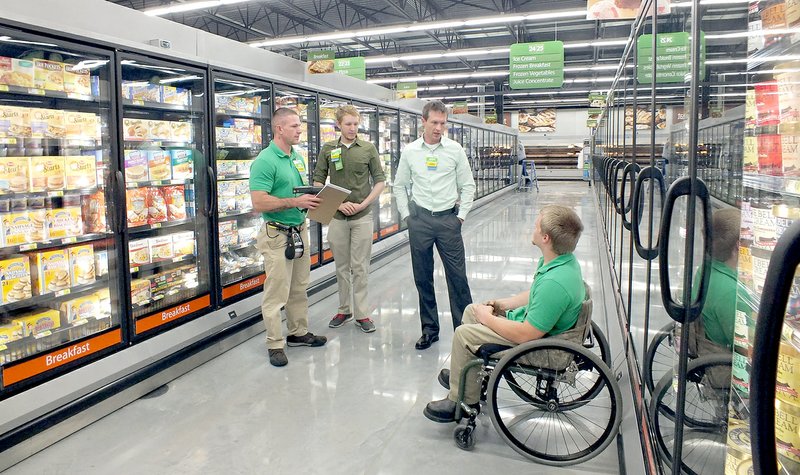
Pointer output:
435, 106
342, 111
725, 227
280, 114
563, 226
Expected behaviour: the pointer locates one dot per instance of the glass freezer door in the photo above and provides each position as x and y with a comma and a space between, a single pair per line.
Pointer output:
408, 134
388, 151
368, 131
59, 296
242, 128
165, 174
328, 132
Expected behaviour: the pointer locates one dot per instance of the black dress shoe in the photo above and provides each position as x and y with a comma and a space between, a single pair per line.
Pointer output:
444, 410
425, 341
444, 378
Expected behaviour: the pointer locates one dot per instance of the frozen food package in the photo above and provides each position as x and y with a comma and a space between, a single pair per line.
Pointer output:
10, 331
159, 130
135, 129
161, 248
77, 81
51, 271
140, 292
145, 92
38, 322
47, 123
48, 75
15, 278
241, 187
17, 228
159, 165
82, 126
181, 131
16, 72
226, 168
139, 252
175, 197
16, 121
136, 201
80, 308
94, 212
156, 206
80, 172
104, 298
101, 263
47, 173
64, 222
183, 244
14, 174
38, 217
182, 164
176, 95
225, 135
81, 264
136, 169
243, 203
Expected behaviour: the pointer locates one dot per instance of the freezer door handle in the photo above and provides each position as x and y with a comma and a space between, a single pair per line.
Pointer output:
648, 173
769, 325
119, 189
212, 193
682, 187
631, 170
616, 199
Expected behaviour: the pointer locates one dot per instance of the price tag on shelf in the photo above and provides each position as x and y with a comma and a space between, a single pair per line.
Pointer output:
8, 141
28, 247
134, 269
156, 226
69, 240
137, 102
80, 97
37, 92
80, 322
55, 194
43, 334
3, 88
3, 347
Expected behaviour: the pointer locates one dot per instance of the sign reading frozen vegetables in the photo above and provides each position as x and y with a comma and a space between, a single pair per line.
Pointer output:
320, 62
536, 65
673, 57
354, 67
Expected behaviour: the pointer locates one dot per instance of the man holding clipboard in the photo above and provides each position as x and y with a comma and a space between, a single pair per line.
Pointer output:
350, 163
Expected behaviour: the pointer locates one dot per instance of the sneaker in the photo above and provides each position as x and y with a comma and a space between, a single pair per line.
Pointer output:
278, 358
366, 325
340, 319
309, 339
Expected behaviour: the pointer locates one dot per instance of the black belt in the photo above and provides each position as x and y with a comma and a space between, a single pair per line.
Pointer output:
428, 212
283, 227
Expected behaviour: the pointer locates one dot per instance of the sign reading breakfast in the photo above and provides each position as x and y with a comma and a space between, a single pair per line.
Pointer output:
320, 62
536, 65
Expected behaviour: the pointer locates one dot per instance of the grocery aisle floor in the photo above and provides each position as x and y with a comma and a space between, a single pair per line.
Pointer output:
354, 406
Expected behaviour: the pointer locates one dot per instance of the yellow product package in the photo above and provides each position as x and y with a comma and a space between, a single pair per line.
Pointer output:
77, 81
64, 222
80, 308
82, 125
47, 123
15, 279
10, 331
14, 174
81, 264
17, 121
140, 292
16, 72
39, 321
48, 75
47, 173
80, 172
17, 228
51, 271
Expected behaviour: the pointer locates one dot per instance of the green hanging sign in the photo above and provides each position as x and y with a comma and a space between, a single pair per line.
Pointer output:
536, 65
354, 67
673, 58
320, 55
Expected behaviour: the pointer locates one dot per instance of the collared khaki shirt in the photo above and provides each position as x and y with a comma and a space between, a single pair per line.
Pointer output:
358, 162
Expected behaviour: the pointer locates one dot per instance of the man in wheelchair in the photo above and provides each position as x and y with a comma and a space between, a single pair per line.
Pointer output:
550, 307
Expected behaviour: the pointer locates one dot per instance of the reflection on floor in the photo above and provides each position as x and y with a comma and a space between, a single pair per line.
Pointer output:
354, 406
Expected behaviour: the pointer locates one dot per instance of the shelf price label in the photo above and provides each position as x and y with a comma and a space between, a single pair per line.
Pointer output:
673, 58
536, 65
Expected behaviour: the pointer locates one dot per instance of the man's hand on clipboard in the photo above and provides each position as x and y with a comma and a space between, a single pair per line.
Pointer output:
307, 201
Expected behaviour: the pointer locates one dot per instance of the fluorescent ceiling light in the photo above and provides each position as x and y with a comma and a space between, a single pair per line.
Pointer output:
422, 26
186, 7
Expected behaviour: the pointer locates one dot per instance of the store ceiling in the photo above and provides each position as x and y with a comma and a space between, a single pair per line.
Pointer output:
257, 20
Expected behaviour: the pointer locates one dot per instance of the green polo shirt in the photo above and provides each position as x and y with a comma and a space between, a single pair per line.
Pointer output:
276, 173
719, 309
556, 296
359, 162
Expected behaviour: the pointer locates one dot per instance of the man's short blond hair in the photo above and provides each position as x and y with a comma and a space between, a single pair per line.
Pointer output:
342, 111
280, 115
563, 226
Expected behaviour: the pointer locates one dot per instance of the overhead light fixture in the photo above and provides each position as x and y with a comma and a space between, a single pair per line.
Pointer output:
186, 7
422, 26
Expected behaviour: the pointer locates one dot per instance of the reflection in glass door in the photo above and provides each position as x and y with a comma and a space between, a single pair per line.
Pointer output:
389, 153
368, 131
329, 132
408, 134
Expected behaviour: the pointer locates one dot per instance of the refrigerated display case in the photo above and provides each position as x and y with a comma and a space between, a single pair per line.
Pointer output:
165, 175
305, 104
408, 134
242, 128
368, 131
389, 153
328, 132
59, 291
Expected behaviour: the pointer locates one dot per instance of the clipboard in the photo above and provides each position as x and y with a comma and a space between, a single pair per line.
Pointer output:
332, 196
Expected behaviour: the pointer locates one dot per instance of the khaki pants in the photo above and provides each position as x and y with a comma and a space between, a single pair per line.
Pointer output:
286, 285
351, 244
469, 336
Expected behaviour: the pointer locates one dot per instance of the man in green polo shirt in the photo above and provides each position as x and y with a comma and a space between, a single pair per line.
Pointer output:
351, 162
550, 307
273, 176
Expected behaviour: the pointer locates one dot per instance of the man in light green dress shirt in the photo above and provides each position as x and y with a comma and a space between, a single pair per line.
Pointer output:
434, 191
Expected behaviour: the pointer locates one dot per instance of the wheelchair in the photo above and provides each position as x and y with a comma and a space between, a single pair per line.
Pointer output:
706, 408
555, 400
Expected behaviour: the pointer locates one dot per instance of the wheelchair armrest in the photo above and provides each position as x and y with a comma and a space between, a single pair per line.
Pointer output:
486, 350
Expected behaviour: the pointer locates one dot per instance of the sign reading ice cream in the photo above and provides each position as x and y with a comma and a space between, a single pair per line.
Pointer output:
536, 65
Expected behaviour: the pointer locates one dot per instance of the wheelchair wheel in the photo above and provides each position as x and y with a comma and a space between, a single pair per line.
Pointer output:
660, 357
464, 437
705, 416
561, 426
597, 344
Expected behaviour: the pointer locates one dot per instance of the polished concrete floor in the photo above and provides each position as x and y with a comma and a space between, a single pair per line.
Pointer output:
353, 406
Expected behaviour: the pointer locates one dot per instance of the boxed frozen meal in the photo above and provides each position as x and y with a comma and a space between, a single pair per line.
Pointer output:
161, 248
82, 125
159, 130
139, 252
38, 217
38, 321
182, 164
48, 75
15, 278
159, 165
140, 292
175, 197
225, 135
140, 91
228, 233
77, 81
156, 206
257, 134
14, 174
47, 123
64, 222
226, 168
10, 331
101, 263
243, 203
135, 166
176, 95
51, 271
94, 212
135, 129
247, 234
80, 172
16, 121
181, 131
81, 264
47, 173
241, 187
17, 228
136, 202
16, 72
80, 308
104, 300
183, 244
